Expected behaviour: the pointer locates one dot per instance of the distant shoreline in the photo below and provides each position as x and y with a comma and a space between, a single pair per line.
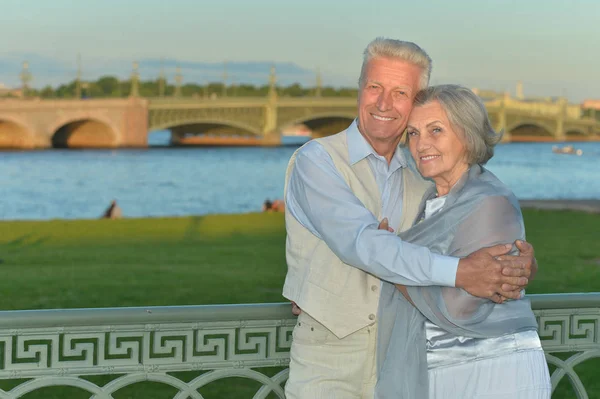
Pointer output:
589, 205
586, 205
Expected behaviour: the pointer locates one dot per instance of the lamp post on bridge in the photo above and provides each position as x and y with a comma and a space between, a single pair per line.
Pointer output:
270, 126
161, 80
272, 85
135, 76
224, 88
78, 78
178, 81
26, 77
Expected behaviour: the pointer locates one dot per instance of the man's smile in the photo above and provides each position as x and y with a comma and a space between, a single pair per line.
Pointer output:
382, 118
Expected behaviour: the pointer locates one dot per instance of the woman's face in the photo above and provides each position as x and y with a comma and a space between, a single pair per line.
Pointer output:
436, 147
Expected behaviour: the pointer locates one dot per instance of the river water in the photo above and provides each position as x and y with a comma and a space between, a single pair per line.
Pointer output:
72, 184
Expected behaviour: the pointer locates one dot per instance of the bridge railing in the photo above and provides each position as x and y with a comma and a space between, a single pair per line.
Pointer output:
61, 347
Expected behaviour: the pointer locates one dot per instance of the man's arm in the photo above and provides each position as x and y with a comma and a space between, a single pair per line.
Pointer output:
319, 198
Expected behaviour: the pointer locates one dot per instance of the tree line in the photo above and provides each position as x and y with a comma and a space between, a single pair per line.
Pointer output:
112, 87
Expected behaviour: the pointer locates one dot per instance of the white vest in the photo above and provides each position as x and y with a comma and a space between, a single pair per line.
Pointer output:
341, 297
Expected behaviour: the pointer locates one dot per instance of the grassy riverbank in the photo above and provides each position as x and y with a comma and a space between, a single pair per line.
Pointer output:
222, 259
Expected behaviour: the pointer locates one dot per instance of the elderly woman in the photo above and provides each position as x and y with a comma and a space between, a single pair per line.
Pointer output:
441, 342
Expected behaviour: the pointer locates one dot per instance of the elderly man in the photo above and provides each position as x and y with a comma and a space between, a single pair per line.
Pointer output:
337, 190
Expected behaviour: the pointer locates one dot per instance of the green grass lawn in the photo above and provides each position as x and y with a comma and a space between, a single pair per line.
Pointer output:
222, 259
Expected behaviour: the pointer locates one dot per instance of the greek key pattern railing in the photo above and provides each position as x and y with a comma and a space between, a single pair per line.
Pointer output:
57, 347
569, 323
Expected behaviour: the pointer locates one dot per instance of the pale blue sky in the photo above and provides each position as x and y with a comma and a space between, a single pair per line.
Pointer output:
552, 46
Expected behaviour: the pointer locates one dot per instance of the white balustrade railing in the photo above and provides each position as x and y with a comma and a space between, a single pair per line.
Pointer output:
58, 347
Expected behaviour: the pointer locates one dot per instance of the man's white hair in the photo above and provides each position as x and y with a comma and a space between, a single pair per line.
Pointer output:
400, 50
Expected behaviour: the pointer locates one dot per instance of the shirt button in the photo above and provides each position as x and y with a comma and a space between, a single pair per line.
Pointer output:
373, 288
371, 316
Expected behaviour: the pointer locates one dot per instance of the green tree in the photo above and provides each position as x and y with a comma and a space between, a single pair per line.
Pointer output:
47, 92
295, 90
109, 86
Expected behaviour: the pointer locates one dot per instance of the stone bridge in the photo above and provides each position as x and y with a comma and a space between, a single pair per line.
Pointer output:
521, 120
109, 123
256, 117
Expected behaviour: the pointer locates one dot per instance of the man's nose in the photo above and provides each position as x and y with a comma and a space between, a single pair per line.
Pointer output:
384, 102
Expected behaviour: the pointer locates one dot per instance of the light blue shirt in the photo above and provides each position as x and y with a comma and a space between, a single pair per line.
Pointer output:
319, 199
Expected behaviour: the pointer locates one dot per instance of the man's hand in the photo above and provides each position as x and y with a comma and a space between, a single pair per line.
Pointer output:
296, 309
483, 275
525, 260
385, 225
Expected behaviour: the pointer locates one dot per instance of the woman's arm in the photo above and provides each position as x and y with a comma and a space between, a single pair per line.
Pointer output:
493, 221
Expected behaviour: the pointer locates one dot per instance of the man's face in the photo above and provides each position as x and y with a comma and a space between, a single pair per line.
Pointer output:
385, 99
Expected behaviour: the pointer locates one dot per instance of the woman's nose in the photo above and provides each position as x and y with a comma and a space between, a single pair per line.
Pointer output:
423, 143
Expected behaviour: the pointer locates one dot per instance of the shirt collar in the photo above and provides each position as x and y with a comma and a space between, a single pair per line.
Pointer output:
359, 148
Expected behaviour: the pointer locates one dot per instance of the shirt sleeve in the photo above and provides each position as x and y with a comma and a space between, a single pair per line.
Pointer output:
319, 198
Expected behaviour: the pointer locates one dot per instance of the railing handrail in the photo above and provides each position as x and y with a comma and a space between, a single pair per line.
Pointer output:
11, 319
14, 319
565, 301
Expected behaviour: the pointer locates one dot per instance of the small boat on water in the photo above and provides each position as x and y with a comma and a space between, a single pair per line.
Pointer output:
568, 149
296, 135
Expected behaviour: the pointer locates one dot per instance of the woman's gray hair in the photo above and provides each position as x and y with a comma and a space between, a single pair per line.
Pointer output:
467, 114
397, 49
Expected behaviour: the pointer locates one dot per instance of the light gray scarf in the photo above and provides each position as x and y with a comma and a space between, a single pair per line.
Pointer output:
479, 211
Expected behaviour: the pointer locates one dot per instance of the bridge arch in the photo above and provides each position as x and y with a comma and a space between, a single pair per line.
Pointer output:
576, 131
84, 133
325, 124
209, 127
531, 128
14, 135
